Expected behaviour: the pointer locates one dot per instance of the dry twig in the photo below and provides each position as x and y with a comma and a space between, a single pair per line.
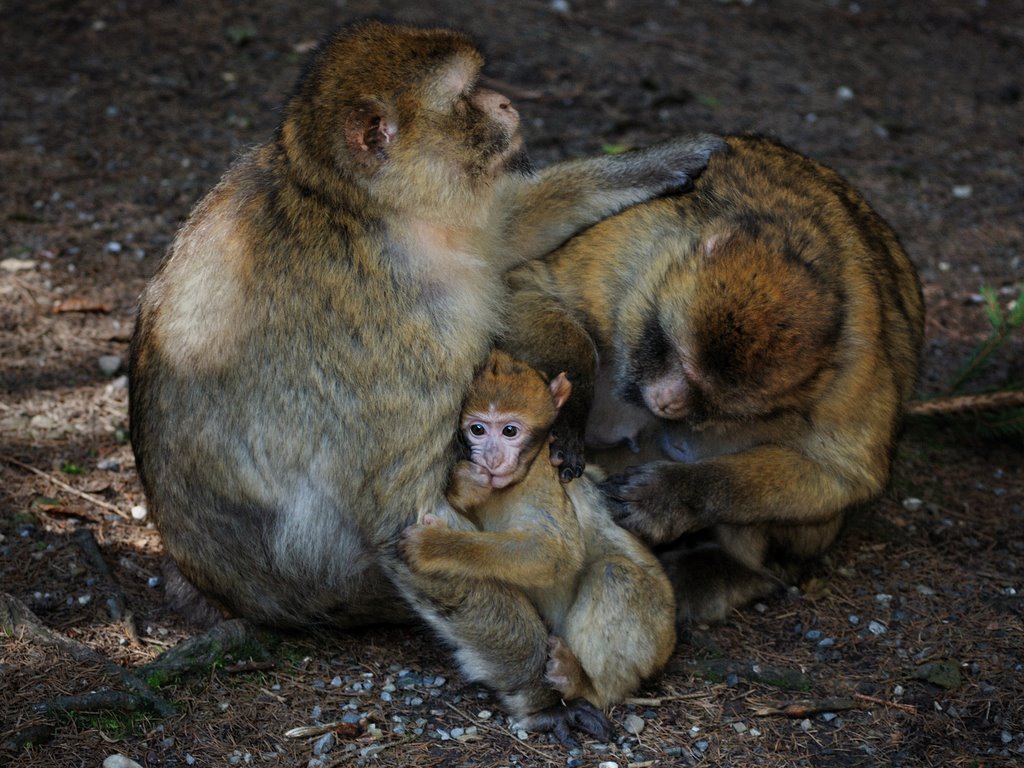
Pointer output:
65, 487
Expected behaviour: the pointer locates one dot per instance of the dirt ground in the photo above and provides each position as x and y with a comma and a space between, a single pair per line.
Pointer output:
117, 115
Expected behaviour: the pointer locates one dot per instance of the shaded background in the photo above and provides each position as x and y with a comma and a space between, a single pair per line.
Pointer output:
115, 117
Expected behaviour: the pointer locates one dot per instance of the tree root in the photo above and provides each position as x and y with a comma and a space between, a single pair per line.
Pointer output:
15, 617
235, 637
116, 603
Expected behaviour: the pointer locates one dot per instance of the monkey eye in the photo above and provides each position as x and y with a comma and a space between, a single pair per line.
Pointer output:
510, 430
477, 430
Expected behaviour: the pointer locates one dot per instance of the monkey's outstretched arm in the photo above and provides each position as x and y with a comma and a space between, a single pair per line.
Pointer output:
549, 337
568, 197
522, 558
661, 501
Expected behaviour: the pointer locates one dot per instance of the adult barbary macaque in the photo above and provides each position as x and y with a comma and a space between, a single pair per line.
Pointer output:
604, 596
756, 341
300, 359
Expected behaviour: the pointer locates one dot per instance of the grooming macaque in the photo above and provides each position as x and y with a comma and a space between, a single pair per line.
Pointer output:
751, 346
604, 596
300, 359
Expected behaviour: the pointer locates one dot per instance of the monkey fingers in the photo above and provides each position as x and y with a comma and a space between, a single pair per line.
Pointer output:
419, 542
567, 453
562, 719
652, 501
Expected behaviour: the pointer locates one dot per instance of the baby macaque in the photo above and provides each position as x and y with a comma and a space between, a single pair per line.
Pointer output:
606, 600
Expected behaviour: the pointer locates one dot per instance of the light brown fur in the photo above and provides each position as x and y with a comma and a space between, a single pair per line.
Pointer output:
300, 359
602, 594
755, 342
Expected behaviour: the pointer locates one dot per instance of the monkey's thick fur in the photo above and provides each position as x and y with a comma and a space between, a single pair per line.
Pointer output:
300, 359
753, 344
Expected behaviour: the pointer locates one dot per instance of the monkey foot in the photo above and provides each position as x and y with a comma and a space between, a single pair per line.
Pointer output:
563, 669
576, 715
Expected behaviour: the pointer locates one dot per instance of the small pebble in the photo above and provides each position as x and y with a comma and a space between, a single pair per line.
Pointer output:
113, 247
813, 634
912, 504
608, 764
826, 642
739, 727
315, 712
702, 745
324, 744
153, 581
962, 191
634, 724
854, 619
844, 93
877, 628
828, 717
336, 682
897, 691
120, 761
139, 513
484, 714
108, 465
109, 364
805, 725
1006, 737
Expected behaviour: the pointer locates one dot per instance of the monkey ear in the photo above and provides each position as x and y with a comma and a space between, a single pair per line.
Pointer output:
561, 388
369, 128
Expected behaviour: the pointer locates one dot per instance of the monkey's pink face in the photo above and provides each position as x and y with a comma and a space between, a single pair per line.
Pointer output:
497, 442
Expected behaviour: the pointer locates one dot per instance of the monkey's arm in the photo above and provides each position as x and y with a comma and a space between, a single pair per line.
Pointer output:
469, 487
523, 558
568, 197
662, 500
544, 333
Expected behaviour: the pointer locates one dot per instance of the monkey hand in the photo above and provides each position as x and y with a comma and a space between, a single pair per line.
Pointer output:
470, 486
654, 501
421, 541
567, 453
681, 160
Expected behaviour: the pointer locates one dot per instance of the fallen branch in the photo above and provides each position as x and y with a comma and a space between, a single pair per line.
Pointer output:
15, 616
808, 707
989, 401
65, 487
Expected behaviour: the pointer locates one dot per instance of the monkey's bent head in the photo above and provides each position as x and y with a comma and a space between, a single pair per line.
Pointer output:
752, 328
397, 112
508, 414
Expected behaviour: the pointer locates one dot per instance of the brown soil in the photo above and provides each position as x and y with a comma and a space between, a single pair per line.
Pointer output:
117, 116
